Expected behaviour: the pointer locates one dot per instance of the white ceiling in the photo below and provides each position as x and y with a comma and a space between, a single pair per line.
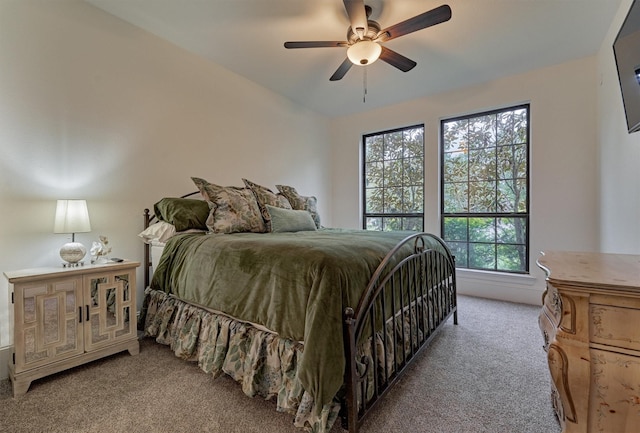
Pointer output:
484, 40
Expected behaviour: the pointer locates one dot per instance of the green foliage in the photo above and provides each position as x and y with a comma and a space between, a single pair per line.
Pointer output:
394, 179
484, 165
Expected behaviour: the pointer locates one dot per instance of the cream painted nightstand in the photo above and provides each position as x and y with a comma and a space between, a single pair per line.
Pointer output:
65, 317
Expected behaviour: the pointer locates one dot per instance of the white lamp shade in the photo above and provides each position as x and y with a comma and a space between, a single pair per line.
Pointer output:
364, 52
72, 216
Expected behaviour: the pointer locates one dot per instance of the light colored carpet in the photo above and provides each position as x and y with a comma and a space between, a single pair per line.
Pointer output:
486, 375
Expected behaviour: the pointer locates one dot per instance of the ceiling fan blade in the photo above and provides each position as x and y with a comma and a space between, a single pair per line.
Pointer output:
341, 71
316, 44
357, 16
419, 22
398, 60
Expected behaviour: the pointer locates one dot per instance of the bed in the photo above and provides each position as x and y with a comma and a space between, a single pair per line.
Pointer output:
323, 321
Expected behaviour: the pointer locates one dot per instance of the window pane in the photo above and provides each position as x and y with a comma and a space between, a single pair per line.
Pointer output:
520, 161
390, 224
482, 164
373, 223
512, 162
520, 126
413, 171
392, 200
374, 200
512, 258
459, 250
456, 166
507, 198
482, 230
505, 128
374, 174
413, 199
482, 132
373, 148
506, 231
414, 143
456, 196
393, 148
511, 230
412, 223
482, 197
456, 137
455, 229
482, 256
393, 172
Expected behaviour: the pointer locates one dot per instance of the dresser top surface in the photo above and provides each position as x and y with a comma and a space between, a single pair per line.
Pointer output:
54, 272
592, 269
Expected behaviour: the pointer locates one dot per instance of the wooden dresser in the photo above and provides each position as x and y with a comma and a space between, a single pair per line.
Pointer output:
590, 322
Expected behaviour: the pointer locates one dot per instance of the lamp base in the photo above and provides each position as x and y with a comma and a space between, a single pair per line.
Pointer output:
72, 253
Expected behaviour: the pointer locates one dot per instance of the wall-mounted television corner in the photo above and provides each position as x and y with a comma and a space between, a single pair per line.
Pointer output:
626, 51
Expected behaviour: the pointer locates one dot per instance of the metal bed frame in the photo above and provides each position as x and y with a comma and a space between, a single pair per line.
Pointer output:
403, 307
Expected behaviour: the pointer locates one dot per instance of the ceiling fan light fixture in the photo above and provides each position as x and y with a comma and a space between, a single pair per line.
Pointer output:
364, 52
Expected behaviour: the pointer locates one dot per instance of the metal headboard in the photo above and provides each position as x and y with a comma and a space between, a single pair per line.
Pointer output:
150, 218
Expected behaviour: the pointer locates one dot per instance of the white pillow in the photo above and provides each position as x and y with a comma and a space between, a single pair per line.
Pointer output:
160, 232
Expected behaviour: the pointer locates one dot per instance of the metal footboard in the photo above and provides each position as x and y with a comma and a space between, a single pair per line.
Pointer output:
400, 313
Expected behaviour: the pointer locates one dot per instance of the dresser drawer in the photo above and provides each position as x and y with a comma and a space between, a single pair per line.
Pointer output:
613, 398
615, 326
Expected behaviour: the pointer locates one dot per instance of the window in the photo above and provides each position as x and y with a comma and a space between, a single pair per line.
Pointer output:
393, 184
484, 189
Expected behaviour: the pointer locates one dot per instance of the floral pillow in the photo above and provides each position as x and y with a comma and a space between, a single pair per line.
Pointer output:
300, 202
233, 209
264, 196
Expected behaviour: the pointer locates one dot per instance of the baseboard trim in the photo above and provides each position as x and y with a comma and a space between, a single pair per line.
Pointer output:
522, 289
5, 357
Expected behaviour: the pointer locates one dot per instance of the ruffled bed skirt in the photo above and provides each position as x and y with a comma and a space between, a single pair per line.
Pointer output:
263, 363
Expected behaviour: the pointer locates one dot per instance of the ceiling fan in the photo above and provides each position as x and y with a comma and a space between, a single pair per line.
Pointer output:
364, 37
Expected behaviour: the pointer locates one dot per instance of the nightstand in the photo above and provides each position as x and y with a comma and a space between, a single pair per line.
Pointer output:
65, 317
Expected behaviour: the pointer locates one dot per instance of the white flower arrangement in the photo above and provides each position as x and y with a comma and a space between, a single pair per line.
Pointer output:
100, 249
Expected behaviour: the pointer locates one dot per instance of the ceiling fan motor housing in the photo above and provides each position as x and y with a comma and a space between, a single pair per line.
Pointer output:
372, 33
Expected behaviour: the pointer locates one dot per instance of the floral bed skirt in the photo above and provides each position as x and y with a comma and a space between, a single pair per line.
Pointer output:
262, 362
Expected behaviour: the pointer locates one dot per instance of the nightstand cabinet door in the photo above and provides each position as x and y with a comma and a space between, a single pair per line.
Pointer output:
110, 308
47, 326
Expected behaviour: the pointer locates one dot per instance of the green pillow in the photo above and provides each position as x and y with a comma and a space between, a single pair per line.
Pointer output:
183, 213
289, 220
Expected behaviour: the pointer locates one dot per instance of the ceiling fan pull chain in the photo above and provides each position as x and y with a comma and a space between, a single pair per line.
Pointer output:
364, 84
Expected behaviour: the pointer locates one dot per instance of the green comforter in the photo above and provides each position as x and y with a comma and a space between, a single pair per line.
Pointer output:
295, 284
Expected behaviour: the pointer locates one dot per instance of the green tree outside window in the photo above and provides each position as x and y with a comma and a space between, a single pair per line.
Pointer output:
485, 189
393, 184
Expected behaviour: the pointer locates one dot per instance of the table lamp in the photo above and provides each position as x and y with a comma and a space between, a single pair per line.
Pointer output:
72, 217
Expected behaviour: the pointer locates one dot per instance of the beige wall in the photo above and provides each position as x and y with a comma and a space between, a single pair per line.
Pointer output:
564, 163
92, 107
619, 155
